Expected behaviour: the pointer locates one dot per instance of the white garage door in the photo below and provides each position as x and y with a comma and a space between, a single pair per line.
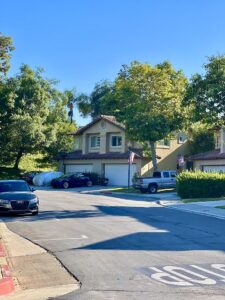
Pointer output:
78, 168
220, 169
118, 173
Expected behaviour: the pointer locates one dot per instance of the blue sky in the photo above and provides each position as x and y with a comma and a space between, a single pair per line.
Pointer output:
81, 42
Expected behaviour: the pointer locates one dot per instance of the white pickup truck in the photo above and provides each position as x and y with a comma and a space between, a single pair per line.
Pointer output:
160, 180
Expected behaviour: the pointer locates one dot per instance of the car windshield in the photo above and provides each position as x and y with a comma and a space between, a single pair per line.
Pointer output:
14, 187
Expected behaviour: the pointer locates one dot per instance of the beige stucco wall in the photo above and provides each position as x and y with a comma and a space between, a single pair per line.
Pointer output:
168, 156
216, 162
104, 129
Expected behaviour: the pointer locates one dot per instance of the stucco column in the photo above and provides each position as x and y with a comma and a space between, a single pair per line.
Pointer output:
84, 144
103, 143
222, 140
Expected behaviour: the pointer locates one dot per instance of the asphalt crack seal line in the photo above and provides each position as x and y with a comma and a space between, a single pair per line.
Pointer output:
38, 274
6, 279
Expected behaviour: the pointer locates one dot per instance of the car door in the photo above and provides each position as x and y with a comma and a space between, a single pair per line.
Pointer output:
166, 179
172, 183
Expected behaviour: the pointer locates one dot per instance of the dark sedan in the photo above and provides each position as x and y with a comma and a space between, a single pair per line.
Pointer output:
17, 197
69, 181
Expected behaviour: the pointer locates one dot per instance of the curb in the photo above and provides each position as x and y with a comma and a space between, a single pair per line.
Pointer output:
6, 281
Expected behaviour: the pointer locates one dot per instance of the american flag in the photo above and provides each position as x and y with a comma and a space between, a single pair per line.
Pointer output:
131, 157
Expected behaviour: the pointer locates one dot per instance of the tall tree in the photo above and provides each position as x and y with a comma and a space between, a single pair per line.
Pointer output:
30, 112
6, 47
94, 104
206, 93
149, 102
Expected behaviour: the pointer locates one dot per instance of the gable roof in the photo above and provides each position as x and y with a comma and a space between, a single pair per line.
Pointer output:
110, 119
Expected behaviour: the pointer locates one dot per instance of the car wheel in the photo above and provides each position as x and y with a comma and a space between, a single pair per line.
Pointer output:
66, 185
152, 188
89, 183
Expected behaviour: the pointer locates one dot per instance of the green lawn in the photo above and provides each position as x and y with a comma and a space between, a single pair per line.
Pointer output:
201, 199
223, 207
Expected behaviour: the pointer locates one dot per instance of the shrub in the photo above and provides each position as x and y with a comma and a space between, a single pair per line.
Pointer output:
94, 177
200, 185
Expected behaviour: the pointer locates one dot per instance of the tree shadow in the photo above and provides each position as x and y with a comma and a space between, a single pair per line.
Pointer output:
51, 214
183, 233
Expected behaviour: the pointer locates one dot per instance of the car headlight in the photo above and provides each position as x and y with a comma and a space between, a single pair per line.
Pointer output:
4, 202
33, 201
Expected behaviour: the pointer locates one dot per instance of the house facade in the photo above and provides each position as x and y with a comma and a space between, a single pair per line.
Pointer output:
212, 160
102, 147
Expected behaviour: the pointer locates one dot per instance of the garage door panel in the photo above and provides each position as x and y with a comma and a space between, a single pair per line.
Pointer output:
79, 168
118, 173
219, 169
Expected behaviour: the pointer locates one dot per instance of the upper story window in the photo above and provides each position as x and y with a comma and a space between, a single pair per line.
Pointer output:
116, 140
217, 141
181, 138
164, 143
95, 141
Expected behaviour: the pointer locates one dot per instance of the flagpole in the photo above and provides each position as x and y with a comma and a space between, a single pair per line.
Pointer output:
129, 170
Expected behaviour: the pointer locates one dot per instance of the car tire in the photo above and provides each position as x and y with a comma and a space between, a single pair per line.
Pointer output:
89, 183
35, 213
152, 188
65, 185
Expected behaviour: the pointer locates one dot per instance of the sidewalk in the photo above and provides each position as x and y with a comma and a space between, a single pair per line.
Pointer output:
206, 208
23, 270
6, 279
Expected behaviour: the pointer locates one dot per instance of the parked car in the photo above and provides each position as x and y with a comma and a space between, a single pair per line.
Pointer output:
17, 197
160, 180
28, 177
96, 179
73, 180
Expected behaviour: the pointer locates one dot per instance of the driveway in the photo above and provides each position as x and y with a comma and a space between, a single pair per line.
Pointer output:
121, 248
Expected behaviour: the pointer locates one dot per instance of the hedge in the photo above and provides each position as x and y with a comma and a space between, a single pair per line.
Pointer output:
200, 185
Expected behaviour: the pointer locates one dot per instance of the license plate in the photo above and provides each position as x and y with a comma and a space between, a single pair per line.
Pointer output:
20, 202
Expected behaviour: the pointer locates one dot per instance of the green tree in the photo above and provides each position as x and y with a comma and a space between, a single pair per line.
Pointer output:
31, 110
6, 47
149, 102
95, 104
206, 93
201, 138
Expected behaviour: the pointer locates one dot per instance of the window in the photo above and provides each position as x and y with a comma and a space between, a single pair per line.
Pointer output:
181, 138
116, 141
217, 141
173, 174
166, 174
164, 143
95, 141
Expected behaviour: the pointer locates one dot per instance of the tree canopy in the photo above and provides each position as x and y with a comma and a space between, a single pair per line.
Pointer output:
149, 101
6, 47
206, 93
32, 116
96, 103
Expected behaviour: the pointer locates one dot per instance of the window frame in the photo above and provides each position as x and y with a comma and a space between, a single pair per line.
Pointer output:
97, 142
117, 136
161, 144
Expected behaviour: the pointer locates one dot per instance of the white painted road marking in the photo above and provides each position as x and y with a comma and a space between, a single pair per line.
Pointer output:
82, 237
185, 276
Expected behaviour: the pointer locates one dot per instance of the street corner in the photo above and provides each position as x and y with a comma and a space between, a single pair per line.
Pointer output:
6, 278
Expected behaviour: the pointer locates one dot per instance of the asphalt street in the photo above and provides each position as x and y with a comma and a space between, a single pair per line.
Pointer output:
121, 248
